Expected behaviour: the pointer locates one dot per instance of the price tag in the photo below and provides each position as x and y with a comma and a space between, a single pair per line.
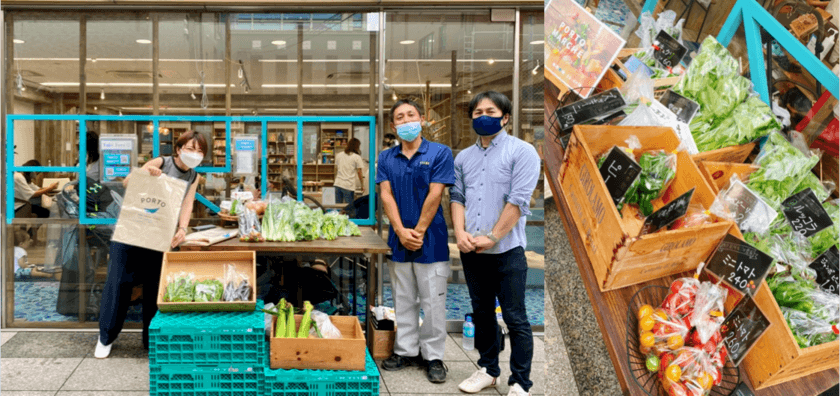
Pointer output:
739, 264
742, 328
667, 214
684, 108
595, 107
667, 50
742, 390
619, 171
805, 213
827, 270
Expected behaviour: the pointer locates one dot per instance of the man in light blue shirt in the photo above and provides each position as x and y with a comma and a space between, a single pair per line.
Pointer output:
494, 181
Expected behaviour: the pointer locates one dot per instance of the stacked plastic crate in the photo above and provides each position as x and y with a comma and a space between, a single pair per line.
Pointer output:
208, 353
324, 382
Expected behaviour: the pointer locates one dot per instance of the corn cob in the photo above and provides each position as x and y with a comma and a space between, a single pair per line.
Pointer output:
306, 321
290, 322
280, 327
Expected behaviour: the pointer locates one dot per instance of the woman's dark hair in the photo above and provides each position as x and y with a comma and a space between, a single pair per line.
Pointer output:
190, 135
28, 175
500, 100
403, 102
353, 146
92, 142
21, 236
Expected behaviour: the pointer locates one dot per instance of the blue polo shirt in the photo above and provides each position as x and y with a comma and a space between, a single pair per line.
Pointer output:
410, 180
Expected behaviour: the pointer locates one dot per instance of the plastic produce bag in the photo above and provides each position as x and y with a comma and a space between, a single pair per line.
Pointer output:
793, 290
658, 171
208, 290
743, 206
782, 168
708, 310
809, 331
237, 287
639, 85
180, 287
749, 121
829, 236
149, 212
279, 220
308, 223
826, 305
249, 226
325, 326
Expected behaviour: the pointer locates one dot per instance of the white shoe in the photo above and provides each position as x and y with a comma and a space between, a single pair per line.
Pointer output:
516, 390
102, 351
478, 381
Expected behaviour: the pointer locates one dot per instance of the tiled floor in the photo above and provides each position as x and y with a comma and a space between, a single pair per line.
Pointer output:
62, 364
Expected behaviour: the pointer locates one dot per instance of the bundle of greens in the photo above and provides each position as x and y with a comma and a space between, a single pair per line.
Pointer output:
658, 169
749, 121
792, 289
813, 182
278, 221
180, 287
333, 226
209, 290
829, 236
807, 329
782, 168
307, 222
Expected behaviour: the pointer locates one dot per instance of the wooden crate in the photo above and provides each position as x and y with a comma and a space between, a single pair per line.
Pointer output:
345, 353
619, 256
718, 174
208, 265
383, 343
736, 154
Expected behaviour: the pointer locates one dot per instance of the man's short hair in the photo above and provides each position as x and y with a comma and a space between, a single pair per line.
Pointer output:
500, 100
403, 102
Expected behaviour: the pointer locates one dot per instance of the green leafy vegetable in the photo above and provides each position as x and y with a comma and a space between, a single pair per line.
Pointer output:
180, 287
209, 290
749, 121
829, 236
782, 168
658, 169
813, 182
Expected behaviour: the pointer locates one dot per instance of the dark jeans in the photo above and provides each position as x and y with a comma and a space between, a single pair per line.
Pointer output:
344, 196
128, 266
500, 275
40, 211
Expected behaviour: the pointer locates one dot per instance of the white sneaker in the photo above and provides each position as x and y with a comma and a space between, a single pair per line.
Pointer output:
478, 381
102, 351
516, 390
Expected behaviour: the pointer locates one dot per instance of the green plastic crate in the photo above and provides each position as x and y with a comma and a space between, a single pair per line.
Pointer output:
324, 382
224, 380
208, 338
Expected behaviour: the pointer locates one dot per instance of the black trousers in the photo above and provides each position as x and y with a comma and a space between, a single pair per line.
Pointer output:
128, 266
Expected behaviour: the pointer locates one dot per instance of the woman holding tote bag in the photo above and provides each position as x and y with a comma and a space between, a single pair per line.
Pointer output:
130, 265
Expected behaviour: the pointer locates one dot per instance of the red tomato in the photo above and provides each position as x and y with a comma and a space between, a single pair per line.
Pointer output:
677, 389
716, 337
710, 347
665, 360
687, 321
693, 339
676, 286
718, 376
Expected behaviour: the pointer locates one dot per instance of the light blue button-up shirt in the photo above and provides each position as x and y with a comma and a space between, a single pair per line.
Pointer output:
486, 179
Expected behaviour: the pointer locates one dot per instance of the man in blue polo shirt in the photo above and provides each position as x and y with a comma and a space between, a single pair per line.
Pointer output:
494, 181
411, 179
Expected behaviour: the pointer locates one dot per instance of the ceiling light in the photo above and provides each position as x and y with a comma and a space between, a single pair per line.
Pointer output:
279, 42
120, 113
394, 96
143, 41
192, 95
538, 42
93, 60
102, 94
95, 108
469, 92
537, 67
407, 42
491, 61
18, 41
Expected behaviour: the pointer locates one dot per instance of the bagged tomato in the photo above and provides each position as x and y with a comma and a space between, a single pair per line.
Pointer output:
676, 388
680, 302
668, 332
708, 310
698, 370
695, 215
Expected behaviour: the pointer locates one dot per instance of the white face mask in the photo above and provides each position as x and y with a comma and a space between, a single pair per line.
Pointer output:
191, 160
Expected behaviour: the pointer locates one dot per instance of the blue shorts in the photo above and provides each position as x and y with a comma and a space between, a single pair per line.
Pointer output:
23, 273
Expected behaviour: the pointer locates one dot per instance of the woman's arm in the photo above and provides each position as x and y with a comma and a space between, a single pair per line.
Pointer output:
186, 213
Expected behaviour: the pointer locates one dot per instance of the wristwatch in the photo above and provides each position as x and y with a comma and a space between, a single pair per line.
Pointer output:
183, 228
492, 237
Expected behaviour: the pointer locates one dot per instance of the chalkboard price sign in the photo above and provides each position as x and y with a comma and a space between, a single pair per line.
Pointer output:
667, 50
684, 108
595, 107
742, 390
619, 170
742, 328
668, 213
739, 264
827, 270
805, 213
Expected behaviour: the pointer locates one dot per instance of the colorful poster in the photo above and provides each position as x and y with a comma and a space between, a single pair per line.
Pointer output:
578, 47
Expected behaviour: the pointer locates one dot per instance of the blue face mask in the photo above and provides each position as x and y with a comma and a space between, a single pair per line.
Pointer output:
409, 131
486, 125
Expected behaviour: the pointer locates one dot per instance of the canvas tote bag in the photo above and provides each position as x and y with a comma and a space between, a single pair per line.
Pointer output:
149, 213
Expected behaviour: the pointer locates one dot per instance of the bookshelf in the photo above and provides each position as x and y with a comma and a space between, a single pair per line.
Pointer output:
281, 151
